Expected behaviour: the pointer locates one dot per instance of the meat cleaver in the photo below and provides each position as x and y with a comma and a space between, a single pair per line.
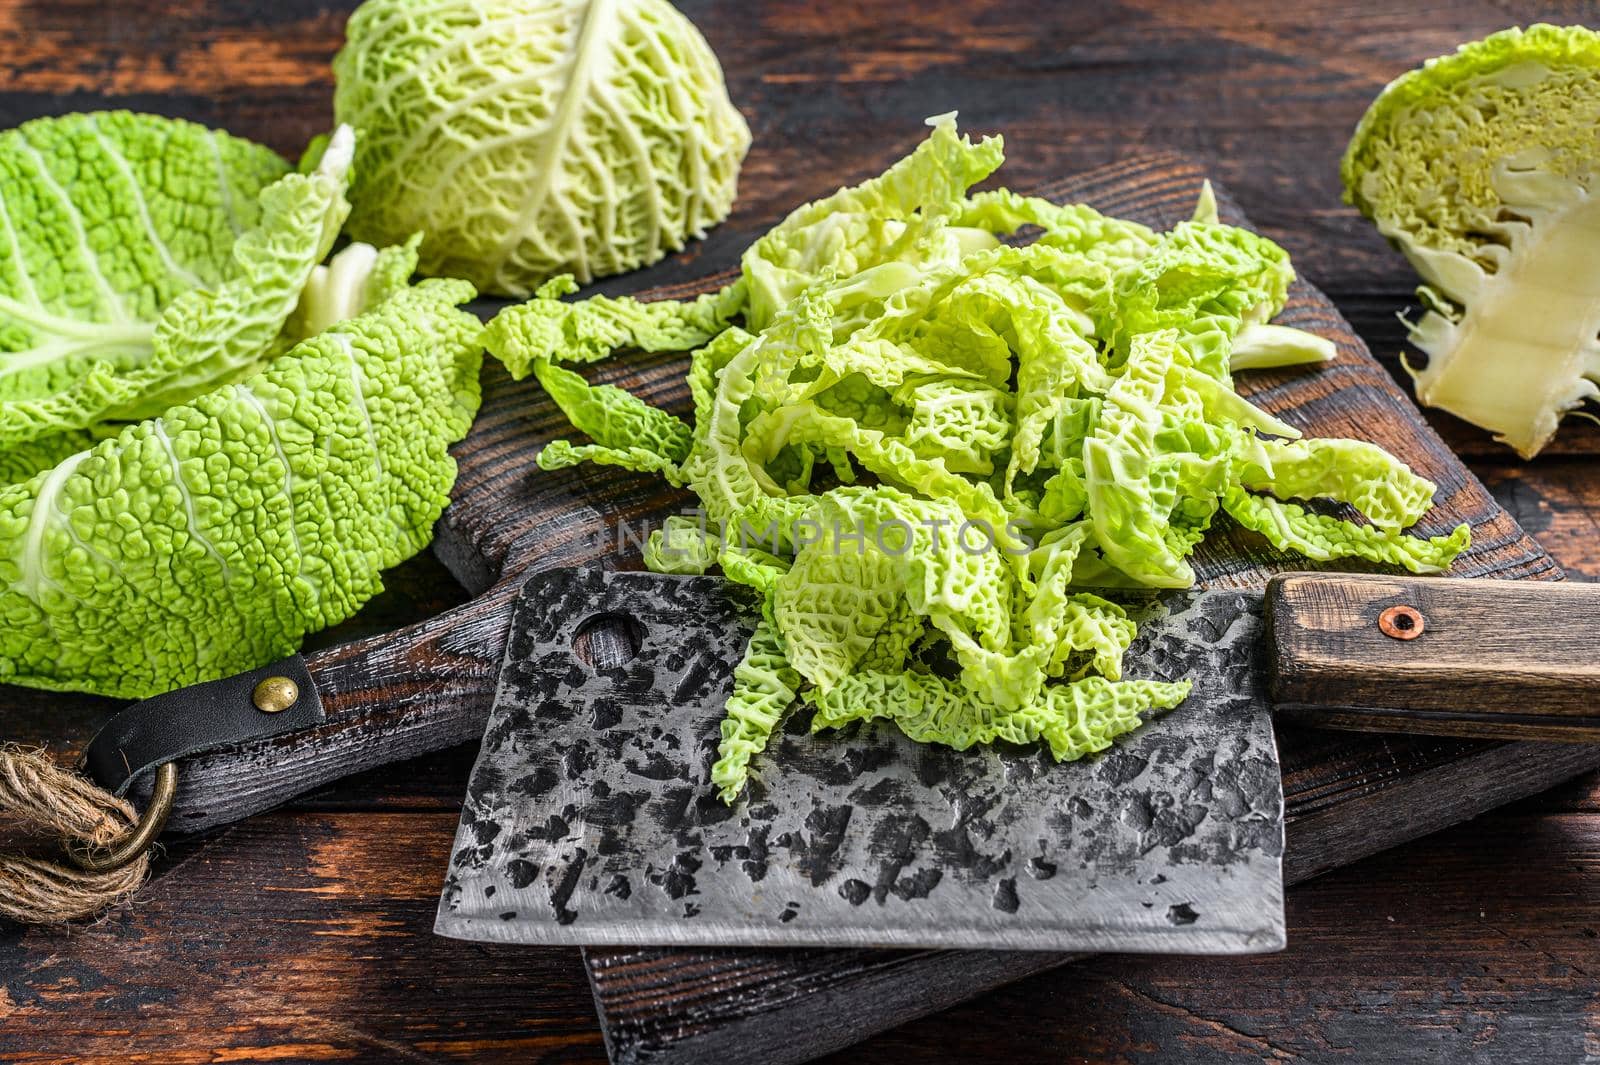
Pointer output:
590, 817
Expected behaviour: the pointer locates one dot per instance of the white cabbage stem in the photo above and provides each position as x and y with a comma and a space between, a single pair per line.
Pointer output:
1524, 351
337, 291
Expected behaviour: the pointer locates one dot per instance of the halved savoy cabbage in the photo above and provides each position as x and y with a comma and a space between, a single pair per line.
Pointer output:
1483, 167
528, 138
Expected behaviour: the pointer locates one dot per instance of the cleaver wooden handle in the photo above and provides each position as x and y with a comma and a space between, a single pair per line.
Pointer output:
1436, 655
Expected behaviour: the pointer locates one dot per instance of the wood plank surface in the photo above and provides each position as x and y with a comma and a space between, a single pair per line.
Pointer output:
1266, 94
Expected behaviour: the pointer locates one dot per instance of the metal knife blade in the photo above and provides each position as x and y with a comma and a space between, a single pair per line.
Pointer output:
590, 818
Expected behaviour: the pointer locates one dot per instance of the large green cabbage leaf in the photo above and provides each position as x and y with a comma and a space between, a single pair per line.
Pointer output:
213, 537
923, 448
144, 261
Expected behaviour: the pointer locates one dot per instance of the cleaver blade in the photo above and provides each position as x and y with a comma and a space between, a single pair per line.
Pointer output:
590, 818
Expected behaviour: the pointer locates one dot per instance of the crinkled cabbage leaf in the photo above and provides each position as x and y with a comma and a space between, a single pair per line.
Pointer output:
143, 262
528, 138
213, 537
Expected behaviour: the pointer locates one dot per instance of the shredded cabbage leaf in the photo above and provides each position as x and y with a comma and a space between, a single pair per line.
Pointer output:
930, 452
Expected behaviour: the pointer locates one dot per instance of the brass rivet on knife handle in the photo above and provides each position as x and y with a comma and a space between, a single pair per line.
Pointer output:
1402, 622
92, 859
275, 695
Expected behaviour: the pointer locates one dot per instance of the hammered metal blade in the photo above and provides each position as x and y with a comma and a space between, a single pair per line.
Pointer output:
590, 819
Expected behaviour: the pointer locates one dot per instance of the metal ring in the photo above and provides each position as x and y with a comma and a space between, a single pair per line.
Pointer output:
92, 859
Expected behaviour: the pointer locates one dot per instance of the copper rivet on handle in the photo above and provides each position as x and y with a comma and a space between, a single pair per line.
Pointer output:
1401, 622
275, 694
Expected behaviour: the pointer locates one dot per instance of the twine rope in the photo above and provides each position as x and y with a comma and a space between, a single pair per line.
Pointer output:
42, 797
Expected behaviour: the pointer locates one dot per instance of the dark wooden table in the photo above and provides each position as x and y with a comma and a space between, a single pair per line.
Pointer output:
304, 935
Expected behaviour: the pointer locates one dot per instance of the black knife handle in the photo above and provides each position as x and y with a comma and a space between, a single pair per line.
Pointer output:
202, 717
384, 699
1435, 655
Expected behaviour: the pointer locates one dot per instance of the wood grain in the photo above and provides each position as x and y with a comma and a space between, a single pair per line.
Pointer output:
282, 971
1490, 950
1476, 659
1430, 953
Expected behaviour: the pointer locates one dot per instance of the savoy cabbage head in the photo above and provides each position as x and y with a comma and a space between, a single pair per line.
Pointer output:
1483, 167
529, 138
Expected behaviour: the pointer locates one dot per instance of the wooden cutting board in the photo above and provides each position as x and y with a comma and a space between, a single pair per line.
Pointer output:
430, 685
1347, 795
